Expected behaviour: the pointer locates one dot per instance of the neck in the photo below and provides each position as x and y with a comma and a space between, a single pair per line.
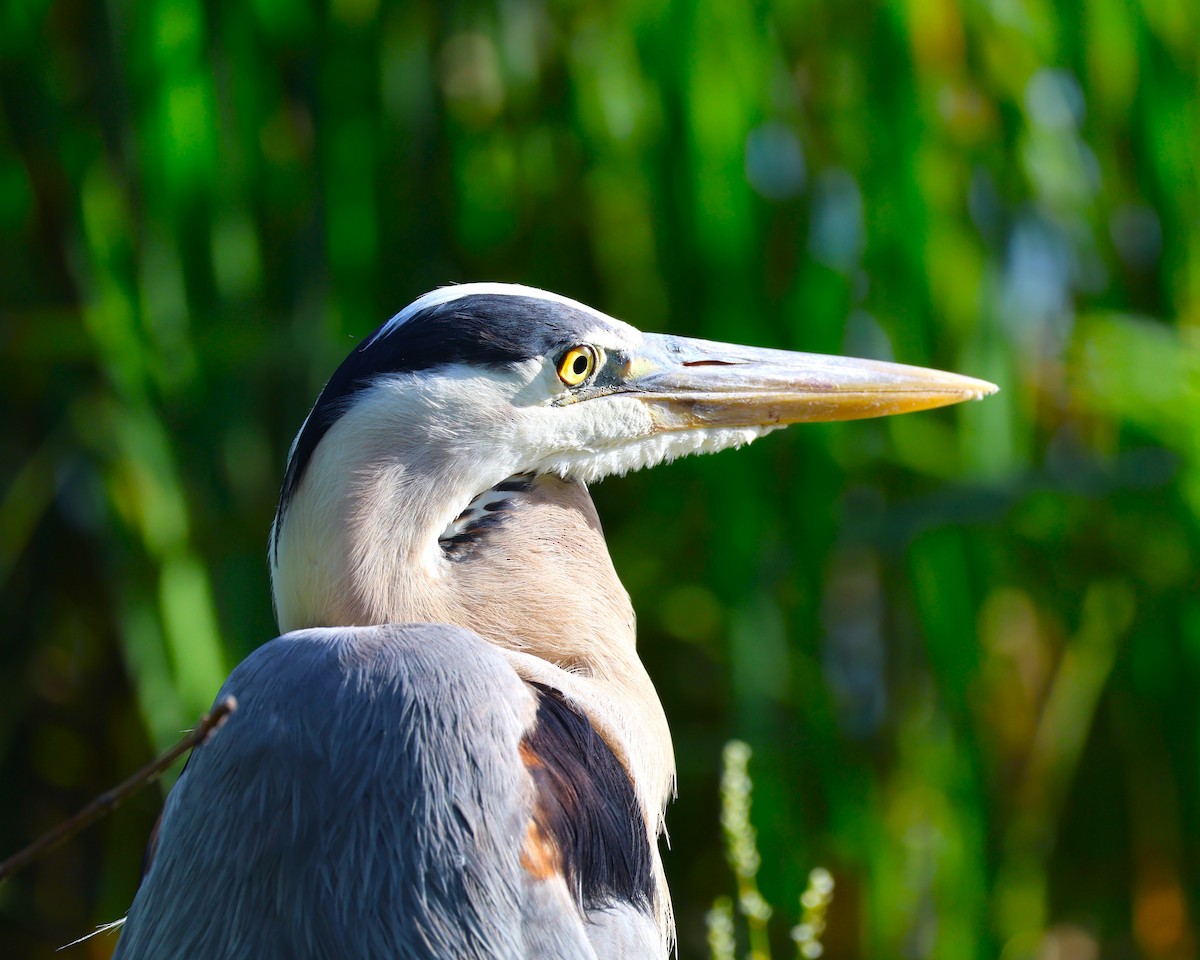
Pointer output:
538, 582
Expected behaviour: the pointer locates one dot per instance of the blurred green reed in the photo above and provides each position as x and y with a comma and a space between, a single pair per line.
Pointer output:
964, 645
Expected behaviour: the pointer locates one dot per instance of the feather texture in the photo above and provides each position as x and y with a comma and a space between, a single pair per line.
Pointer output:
372, 798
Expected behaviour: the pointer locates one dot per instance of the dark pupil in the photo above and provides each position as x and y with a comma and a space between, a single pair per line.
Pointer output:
580, 365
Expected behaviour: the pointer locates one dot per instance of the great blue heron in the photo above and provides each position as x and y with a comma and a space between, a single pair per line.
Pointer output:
454, 751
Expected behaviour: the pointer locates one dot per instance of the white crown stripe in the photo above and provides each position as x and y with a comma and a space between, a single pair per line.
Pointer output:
443, 295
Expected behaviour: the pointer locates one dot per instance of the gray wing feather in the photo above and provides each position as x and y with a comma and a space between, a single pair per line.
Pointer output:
366, 800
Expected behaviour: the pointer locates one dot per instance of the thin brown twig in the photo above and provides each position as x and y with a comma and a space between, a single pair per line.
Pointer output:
108, 801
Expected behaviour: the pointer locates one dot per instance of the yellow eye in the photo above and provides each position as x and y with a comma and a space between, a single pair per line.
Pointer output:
576, 365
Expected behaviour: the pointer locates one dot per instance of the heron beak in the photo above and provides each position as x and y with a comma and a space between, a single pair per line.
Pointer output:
690, 383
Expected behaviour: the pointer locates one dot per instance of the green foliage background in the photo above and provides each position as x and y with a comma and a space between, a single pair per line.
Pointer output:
965, 645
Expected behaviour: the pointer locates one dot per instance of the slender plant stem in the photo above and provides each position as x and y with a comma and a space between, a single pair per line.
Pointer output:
108, 801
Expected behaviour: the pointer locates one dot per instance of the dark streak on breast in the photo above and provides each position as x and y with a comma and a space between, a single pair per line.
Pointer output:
519, 483
479, 521
461, 545
587, 823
